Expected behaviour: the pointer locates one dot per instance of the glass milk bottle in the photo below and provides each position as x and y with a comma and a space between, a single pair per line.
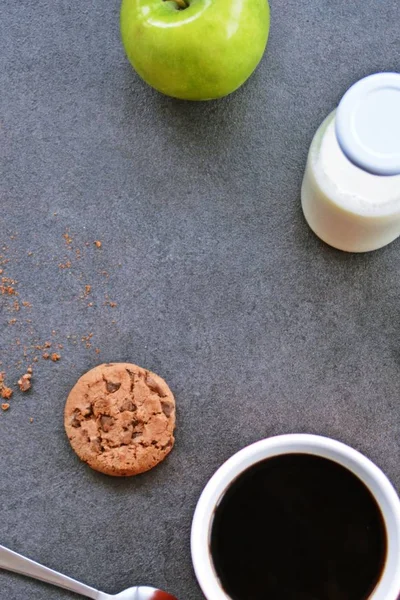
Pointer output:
351, 187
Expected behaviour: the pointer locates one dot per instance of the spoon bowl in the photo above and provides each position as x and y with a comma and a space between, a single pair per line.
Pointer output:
139, 593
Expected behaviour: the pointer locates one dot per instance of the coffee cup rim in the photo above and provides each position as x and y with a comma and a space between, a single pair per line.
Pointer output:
388, 587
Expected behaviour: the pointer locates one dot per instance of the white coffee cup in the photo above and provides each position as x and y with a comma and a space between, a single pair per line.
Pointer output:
388, 587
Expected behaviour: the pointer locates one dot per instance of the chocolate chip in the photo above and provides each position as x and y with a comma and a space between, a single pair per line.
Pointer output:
167, 408
154, 385
76, 418
87, 411
136, 434
96, 445
112, 387
128, 405
106, 423
126, 438
132, 378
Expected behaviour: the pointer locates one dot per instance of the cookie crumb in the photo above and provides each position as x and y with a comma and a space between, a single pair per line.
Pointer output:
110, 303
87, 290
67, 238
31, 420
55, 356
66, 265
47, 345
7, 289
46, 355
86, 340
98, 244
6, 393
5, 406
25, 382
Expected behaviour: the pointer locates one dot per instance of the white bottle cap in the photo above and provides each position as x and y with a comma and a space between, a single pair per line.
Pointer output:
368, 124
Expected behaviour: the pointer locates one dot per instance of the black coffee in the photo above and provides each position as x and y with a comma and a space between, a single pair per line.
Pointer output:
298, 527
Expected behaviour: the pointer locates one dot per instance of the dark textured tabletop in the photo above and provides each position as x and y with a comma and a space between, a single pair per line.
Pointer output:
206, 273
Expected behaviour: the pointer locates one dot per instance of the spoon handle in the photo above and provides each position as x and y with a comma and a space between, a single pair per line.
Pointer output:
19, 564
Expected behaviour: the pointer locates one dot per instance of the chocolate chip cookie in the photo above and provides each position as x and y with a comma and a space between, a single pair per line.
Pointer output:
120, 419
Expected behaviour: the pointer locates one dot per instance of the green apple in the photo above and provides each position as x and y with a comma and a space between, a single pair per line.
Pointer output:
195, 49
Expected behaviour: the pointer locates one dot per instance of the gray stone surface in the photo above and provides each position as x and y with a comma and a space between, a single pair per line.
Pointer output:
220, 287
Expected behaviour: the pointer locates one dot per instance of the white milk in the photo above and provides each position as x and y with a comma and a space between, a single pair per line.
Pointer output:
346, 206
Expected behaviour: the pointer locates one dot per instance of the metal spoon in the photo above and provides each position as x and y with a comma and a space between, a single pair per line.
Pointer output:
19, 564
